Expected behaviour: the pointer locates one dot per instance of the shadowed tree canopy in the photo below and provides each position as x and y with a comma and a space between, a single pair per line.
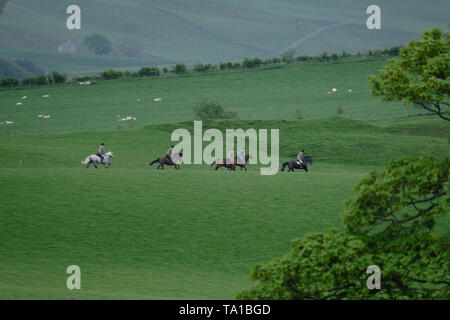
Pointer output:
420, 75
389, 224
98, 43
2, 5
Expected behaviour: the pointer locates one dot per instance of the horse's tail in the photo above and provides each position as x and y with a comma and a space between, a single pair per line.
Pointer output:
153, 162
213, 163
284, 165
86, 161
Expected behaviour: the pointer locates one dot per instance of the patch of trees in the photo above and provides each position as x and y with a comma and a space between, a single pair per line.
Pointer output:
52, 78
210, 110
98, 43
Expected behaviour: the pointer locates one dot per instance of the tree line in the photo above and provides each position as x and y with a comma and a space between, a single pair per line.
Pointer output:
287, 58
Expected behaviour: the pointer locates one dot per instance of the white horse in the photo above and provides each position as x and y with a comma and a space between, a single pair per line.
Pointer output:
94, 159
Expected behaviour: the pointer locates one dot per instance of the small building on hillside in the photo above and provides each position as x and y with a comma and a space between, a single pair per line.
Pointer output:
67, 47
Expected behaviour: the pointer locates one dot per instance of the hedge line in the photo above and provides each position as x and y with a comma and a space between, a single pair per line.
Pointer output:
55, 77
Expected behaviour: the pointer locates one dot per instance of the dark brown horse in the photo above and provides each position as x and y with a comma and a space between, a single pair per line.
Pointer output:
293, 164
242, 165
164, 160
231, 166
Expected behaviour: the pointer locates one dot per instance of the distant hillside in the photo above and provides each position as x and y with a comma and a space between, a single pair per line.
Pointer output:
10, 68
159, 32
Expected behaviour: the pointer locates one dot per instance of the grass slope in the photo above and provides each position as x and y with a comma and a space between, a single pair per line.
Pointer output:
266, 95
140, 233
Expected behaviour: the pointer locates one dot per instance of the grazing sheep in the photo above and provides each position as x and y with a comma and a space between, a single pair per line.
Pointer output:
46, 96
40, 116
157, 99
334, 90
24, 97
19, 103
9, 122
128, 119
349, 90
46, 117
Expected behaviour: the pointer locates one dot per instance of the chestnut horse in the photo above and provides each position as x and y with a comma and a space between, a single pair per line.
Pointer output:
231, 166
164, 160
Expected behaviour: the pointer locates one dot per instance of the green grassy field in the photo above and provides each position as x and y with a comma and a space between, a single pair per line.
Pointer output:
141, 233
265, 95
165, 32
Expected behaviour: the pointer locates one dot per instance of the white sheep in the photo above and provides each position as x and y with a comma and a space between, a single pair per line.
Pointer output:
19, 103
40, 116
46, 96
157, 99
349, 90
24, 97
46, 117
334, 90
9, 122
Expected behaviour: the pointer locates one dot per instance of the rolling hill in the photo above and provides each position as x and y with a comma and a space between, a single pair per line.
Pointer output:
161, 32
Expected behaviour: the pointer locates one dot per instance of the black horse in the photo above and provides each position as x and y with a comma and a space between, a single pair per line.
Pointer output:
293, 164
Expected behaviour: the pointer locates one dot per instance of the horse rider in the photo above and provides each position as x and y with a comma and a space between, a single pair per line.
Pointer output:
230, 157
101, 152
241, 156
300, 157
169, 153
